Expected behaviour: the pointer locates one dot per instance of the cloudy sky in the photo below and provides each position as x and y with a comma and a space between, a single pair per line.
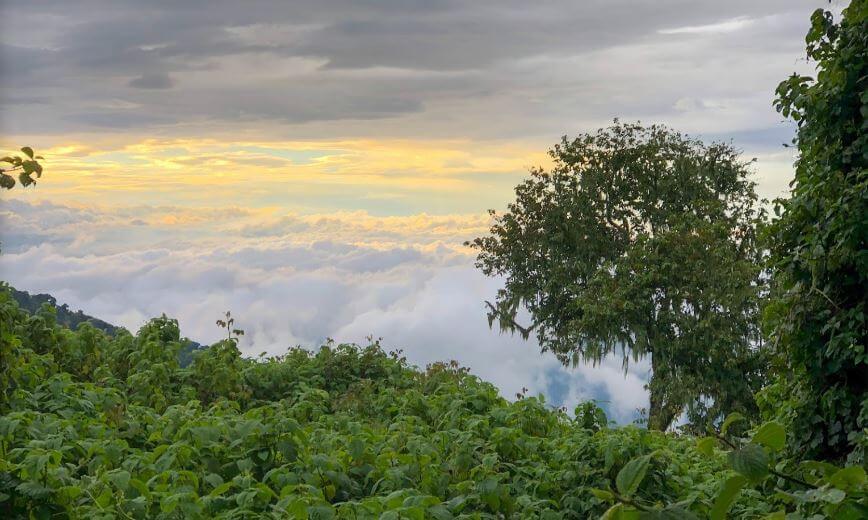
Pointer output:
315, 166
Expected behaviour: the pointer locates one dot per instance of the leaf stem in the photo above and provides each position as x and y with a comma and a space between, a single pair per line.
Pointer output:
630, 502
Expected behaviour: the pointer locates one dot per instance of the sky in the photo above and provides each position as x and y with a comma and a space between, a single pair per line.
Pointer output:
315, 166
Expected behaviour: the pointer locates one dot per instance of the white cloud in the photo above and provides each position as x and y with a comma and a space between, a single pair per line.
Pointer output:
725, 26
417, 290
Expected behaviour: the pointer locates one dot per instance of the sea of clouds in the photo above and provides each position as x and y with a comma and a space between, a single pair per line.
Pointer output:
296, 280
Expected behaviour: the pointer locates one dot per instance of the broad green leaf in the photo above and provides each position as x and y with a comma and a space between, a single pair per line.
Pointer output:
440, 512
169, 504
672, 512
620, 512
751, 460
852, 477
727, 495
706, 445
104, 499
602, 494
33, 490
244, 465
219, 490
321, 513
731, 419
141, 487
825, 469
356, 448
825, 494
214, 479
28, 151
120, 478
631, 475
67, 494
771, 435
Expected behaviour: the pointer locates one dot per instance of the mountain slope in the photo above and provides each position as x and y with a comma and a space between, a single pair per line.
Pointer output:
65, 316
70, 319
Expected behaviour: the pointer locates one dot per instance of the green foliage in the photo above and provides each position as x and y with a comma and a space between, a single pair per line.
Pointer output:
64, 315
819, 249
639, 241
70, 319
631, 475
771, 435
228, 326
728, 493
751, 461
347, 432
765, 484
24, 167
93, 425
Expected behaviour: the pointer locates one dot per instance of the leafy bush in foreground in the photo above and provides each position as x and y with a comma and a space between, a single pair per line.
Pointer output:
819, 244
112, 427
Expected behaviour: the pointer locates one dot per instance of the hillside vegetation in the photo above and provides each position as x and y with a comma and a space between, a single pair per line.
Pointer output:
63, 314
68, 318
95, 426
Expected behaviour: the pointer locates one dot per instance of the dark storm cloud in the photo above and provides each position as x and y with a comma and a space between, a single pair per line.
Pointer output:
329, 60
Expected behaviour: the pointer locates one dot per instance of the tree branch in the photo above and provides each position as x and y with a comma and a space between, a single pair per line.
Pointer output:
502, 317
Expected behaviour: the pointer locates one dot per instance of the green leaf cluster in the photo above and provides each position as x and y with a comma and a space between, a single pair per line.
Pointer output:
819, 248
763, 483
23, 167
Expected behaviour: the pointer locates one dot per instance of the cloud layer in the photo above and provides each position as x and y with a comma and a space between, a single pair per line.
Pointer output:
292, 280
482, 69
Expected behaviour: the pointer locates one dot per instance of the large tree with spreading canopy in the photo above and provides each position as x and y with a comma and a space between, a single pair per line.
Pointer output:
642, 242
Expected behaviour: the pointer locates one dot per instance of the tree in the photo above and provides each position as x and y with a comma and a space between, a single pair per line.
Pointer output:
818, 250
25, 167
639, 241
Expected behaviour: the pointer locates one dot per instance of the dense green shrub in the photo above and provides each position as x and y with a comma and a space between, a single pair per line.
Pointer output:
112, 427
820, 247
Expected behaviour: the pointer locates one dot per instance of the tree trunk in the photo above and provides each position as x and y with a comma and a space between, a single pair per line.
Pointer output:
662, 410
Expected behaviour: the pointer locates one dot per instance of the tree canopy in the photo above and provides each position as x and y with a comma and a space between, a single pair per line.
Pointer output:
640, 241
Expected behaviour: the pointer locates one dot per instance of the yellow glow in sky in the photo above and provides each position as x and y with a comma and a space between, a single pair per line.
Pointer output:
300, 175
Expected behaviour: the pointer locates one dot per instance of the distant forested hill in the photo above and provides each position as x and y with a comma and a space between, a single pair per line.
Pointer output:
65, 316
70, 319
